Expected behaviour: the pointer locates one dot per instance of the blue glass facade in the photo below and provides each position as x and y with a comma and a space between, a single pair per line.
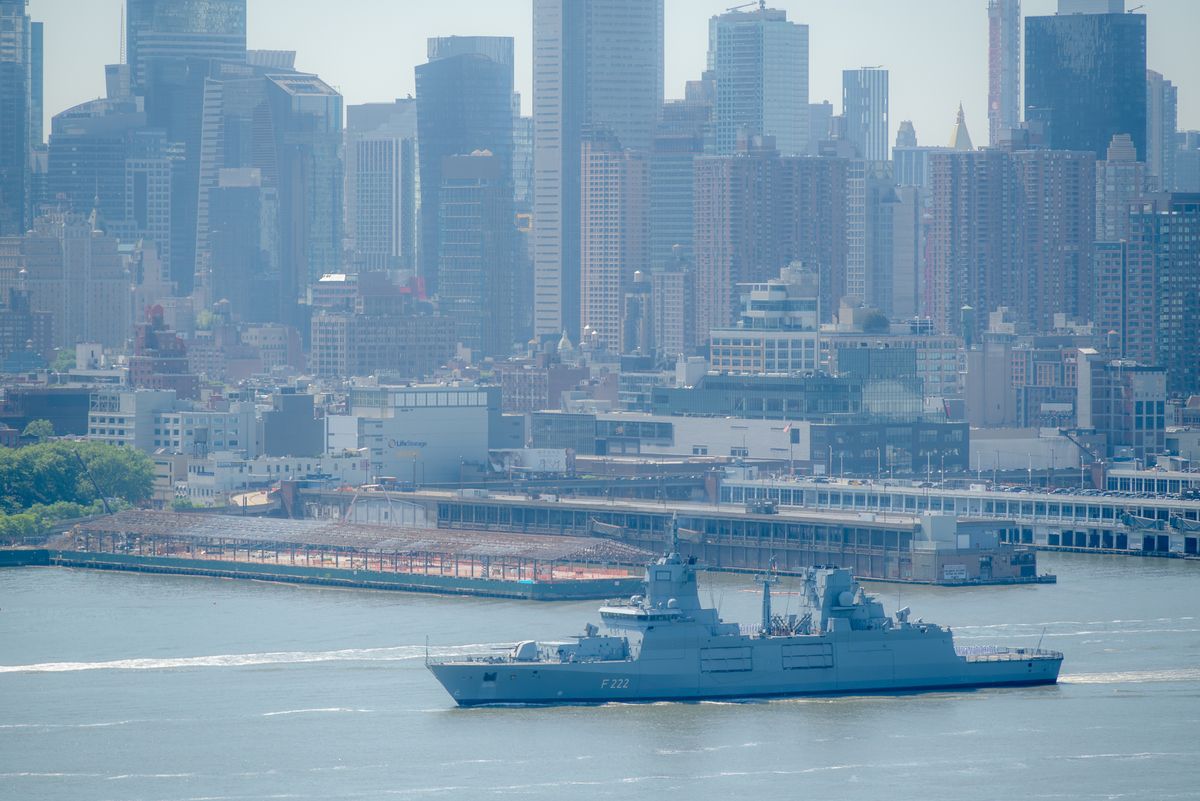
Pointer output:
464, 104
1085, 79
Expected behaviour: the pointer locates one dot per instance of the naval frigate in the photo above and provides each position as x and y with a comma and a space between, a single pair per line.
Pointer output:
664, 645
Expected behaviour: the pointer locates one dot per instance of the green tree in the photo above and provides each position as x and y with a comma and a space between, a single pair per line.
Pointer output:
64, 360
53, 472
876, 323
41, 430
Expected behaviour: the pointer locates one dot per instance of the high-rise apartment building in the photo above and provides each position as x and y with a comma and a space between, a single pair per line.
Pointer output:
464, 104
614, 241
1055, 226
1004, 67
307, 116
1085, 75
243, 236
381, 185
759, 60
596, 64
865, 107
908, 251
684, 134
757, 212
1161, 131
1011, 229
74, 271
16, 128
820, 118
870, 197
1187, 161
477, 259
971, 248
1124, 299
672, 190
1163, 238
739, 235
1120, 182
671, 299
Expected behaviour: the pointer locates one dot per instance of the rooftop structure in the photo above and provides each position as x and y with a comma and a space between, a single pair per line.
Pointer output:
1113, 522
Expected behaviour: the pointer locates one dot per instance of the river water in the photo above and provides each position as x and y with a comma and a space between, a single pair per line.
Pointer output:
148, 688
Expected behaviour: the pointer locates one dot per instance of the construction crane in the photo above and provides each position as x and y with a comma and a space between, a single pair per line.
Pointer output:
762, 6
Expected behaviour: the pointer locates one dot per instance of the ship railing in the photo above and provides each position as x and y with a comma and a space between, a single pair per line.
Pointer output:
995, 653
481, 659
505, 659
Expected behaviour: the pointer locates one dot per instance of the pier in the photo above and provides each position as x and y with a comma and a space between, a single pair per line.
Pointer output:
930, 548
349, 555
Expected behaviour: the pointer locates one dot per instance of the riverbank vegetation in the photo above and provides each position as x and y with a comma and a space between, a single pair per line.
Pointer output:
59, 480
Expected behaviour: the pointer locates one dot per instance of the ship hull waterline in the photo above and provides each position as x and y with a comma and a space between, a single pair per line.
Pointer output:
600, 683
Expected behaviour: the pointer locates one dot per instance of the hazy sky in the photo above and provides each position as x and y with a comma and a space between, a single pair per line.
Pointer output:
936, 50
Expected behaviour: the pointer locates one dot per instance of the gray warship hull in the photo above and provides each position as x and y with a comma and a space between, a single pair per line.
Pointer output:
666, 646
831, 668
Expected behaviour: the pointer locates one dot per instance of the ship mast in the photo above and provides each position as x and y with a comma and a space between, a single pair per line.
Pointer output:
767, 579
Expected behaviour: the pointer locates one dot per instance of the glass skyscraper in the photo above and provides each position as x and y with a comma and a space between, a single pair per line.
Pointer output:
597, 65
464, 104
181, 29
16, 76
865, 106
381, 185
1085, 78
307, 119
760, 62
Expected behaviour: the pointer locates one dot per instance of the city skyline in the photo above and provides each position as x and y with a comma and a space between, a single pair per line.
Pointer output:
838, 41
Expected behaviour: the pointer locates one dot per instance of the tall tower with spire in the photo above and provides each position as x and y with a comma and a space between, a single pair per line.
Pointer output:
960, 139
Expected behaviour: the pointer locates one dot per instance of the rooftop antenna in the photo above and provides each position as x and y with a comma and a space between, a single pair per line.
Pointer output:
122, 34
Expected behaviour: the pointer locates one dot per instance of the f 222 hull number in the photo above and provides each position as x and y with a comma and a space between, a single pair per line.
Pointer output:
614, 684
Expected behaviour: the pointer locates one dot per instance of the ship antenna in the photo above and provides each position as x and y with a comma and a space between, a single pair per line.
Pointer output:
767, 579
674, 532
426, 650
1039, 645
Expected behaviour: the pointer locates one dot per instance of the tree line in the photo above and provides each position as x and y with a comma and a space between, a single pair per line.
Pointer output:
42, 483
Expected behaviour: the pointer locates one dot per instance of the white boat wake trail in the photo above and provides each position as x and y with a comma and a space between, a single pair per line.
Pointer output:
392, 654
1132, 676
